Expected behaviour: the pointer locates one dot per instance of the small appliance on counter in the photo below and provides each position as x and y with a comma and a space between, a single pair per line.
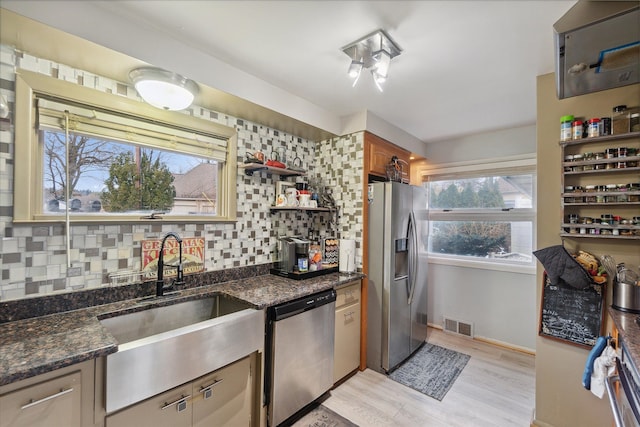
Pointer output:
293, 254
626, 290
293, 259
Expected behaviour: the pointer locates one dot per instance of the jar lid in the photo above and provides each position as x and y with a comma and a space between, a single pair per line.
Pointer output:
619, 108
566, 119
594, 120
577, 122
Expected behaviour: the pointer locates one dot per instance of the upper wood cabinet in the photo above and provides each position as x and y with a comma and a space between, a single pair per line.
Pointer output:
379, 152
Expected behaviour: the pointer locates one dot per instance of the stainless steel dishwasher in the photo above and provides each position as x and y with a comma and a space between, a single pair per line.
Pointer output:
299, 357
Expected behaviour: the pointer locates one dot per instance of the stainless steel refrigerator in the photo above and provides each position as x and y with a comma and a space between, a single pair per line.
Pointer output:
397, 276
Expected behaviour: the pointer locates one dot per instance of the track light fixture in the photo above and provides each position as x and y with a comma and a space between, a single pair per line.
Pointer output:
354, 70
373, 52
163, 89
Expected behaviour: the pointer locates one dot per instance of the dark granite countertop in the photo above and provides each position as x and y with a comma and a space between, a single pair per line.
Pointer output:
34, 346
629, 330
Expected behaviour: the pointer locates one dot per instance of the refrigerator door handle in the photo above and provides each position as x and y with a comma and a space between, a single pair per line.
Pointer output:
413, 256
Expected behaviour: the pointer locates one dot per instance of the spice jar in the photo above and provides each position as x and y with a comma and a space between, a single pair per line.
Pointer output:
635, 187
600, 197
594, 127
577, 129
634, 120
565, 128
605, 128
620, 120
611, 153
590, 198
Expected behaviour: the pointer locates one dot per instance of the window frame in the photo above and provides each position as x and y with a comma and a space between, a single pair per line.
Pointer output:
523, 166
28, 156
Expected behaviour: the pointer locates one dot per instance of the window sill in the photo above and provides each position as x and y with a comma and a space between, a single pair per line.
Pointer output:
458, 262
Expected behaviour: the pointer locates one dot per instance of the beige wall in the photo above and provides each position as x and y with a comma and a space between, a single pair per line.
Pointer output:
561, 401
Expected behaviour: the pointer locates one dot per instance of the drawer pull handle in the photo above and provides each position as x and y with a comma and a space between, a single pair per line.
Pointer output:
351, 313
31, 403
181, 404
207, 391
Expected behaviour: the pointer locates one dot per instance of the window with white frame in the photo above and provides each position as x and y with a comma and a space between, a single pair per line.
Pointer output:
96, 156
484, 216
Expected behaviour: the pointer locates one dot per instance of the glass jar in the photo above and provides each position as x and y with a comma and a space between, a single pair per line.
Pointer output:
594, 127
611, 153
605, 128
620, 120
565, 128
590, 198
576, 129
634, 121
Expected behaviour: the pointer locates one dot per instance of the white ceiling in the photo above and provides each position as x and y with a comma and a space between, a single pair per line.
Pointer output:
466, 66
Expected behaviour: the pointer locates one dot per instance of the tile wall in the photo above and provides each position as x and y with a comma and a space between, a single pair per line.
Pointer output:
33, 257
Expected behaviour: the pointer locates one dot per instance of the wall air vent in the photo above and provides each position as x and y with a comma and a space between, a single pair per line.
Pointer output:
458, 327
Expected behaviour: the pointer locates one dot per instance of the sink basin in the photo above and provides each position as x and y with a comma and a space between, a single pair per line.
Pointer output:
163, 347
134, 326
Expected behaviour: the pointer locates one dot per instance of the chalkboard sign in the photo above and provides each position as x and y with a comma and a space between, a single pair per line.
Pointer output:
570, 314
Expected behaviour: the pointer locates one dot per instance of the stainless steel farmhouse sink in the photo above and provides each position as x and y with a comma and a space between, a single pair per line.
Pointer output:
162, 347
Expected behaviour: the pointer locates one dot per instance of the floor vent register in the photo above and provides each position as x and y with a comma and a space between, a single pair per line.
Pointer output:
458, 327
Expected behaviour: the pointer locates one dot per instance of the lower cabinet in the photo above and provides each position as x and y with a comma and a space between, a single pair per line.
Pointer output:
222, 398
347, 339
55, 402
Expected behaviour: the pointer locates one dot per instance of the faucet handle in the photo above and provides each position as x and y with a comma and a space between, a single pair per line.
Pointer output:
179, 276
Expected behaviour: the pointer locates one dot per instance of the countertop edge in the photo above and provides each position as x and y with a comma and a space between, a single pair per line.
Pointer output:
629, 331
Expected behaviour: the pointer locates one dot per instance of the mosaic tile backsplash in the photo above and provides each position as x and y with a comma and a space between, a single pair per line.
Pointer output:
33, 259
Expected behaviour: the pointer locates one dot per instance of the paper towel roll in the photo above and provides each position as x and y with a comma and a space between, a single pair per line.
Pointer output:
347, 256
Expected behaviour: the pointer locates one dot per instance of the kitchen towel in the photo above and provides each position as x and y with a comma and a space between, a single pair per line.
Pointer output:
604, 366
347, 256
595, 352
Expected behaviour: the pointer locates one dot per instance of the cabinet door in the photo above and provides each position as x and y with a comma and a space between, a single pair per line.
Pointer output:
170, 409
349, 294
347, 344
223, 398
51, 403
380, 154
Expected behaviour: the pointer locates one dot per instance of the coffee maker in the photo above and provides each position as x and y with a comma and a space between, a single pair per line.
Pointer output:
293, 254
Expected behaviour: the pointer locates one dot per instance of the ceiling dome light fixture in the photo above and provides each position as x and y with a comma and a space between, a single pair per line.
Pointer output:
163, 89
375, 52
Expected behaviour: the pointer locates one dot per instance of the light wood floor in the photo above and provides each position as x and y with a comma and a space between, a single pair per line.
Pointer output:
495, 389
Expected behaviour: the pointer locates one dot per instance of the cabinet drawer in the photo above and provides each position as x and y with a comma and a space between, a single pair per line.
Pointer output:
224, 397
349, 294
347, 341
170, 409
51, 403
